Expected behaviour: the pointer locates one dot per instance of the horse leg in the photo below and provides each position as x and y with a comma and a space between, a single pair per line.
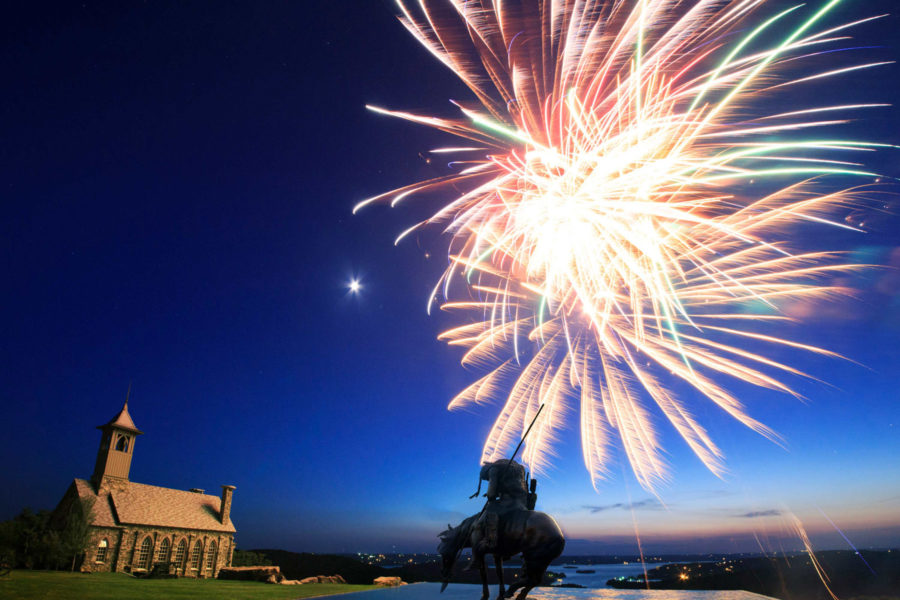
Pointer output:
477, 558
533, 578
522, 578
482, 569
520, 582
477, 552
498, 565
512, 589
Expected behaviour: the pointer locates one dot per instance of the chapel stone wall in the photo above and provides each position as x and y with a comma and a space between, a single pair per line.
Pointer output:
123, 552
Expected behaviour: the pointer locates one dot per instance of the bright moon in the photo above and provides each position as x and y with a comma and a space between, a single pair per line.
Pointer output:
354, 286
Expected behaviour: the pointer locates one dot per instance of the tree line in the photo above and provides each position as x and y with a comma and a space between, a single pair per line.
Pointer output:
47, 539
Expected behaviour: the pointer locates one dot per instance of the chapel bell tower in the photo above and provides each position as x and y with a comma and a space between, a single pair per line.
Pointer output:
116, 449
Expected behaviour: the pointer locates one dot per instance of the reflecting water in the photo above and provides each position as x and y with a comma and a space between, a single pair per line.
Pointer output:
459, 591
602, 573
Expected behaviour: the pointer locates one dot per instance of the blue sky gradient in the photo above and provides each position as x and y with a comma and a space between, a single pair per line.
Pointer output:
178, 181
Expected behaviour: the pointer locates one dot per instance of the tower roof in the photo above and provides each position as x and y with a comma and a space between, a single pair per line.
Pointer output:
122, 420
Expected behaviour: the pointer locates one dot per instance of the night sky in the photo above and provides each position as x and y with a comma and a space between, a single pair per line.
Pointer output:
178, 179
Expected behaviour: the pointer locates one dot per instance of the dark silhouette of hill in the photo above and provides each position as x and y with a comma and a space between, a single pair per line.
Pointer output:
297, 565
431, 571
786, 577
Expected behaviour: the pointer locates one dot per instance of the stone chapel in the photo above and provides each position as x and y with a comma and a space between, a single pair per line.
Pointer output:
136, 528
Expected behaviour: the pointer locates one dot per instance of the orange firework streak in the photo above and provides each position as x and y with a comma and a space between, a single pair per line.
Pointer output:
603, 232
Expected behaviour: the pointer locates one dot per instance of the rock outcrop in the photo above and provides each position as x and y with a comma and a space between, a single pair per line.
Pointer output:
323, 579
388, 581
264, 574
274, 575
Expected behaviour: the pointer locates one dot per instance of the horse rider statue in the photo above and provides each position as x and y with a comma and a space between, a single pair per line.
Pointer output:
507, 491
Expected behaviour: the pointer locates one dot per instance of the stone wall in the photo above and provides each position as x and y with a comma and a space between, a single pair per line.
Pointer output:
124, 550
91, 563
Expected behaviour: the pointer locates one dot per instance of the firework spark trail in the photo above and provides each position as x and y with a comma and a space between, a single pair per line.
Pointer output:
794, 526
604, 230
800, 531
637, 537
849, 543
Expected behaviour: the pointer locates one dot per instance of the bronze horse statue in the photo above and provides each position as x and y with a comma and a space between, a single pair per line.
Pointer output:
532, 533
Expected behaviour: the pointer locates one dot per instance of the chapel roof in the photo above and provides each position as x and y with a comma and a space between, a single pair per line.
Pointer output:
140, 504
102, 512
122, 420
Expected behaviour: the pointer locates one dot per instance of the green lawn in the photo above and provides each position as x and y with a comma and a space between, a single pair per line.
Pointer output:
56, 585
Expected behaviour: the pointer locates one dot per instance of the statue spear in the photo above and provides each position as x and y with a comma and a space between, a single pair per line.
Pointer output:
527, 431
516, 451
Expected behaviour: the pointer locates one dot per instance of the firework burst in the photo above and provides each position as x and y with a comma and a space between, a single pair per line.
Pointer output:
604, 232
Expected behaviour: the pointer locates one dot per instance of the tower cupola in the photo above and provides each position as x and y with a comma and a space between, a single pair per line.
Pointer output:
116, 449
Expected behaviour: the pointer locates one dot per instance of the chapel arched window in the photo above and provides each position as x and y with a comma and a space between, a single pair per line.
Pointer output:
211, 555
122, 443
180, 553
162, 556
143, 560
196, 554
102, 548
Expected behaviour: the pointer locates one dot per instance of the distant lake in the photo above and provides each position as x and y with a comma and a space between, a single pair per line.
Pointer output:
602, 573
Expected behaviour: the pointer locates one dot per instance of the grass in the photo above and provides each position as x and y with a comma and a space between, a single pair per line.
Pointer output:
56, 585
